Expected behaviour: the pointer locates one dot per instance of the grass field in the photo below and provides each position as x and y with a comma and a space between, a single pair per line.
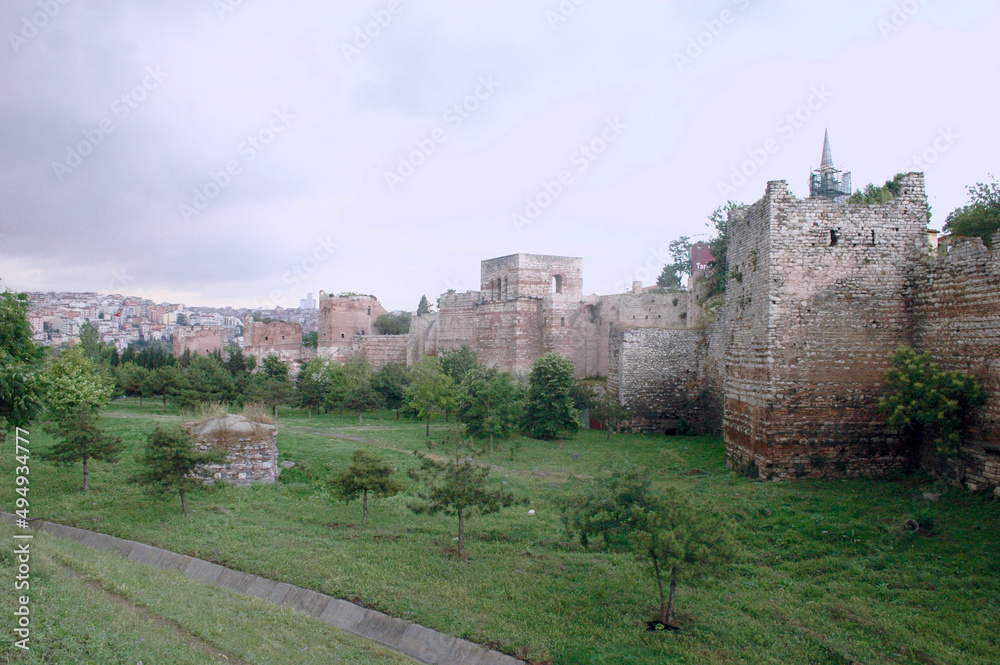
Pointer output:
827, 573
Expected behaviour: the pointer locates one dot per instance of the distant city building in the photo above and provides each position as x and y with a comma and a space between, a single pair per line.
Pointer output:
308, 303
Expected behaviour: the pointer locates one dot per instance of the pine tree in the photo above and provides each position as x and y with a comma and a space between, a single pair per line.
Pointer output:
367, 474
170, 460
81, 440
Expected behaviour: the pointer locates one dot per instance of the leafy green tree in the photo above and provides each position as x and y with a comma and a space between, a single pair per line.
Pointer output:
337, 386
457, 488
205, 380
271, 385
390, 383
362, 397
74, 382
132, 380
90, 341
311, 340
430, 391
604, 507
610, 412
310, 385
170, 460
424, 307
20, 360
456, 363
393, 323
165, 381
981, 217
676, 539
81, 440
673, 273
367, 474
920, 398
878, 194
489, 404
719, 245
549, 407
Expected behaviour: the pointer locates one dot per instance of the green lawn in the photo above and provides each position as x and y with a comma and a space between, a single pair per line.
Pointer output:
826, 574
96, 607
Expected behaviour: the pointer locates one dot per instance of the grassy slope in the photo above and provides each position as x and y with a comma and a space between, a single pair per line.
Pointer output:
96, 607
826, 574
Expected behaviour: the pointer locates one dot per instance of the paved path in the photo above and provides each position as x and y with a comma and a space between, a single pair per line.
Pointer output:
422, 644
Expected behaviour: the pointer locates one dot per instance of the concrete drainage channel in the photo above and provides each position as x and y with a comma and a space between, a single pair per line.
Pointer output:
422, 644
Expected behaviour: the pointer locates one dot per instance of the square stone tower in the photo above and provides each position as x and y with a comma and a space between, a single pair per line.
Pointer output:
815, 302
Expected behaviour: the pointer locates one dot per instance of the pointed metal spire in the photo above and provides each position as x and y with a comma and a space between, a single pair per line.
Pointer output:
827, 153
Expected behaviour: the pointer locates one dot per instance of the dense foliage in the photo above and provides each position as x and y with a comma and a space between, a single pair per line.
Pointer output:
981, 217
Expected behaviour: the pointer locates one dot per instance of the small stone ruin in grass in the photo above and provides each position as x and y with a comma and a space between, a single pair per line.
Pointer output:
251, 450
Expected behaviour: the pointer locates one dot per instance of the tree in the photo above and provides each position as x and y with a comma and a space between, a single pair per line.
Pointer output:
673, 273
73, 382
81, 440
367, 474
362, 397
271, 384
132, 380
424, 307
457, 488
456, 363
310, 385
90, 341
170, 461
921, 398
489, 404
430, 390
719, 245
397, 323
610, 412
549, 407
878, 194
337, 385
310, 340
20, 358
981, 217
390, 383
604, 507
675, 539
165, 381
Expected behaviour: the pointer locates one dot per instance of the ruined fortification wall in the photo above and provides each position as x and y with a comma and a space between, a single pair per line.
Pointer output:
957, 308
659, 375
422, 340
457, 320
521, 275
198, 340
341, 319
381, 350
815, 303
278, 337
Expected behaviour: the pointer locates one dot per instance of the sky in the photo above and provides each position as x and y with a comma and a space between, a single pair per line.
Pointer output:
244, 153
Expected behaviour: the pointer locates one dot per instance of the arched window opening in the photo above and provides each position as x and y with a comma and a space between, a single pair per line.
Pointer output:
557, 285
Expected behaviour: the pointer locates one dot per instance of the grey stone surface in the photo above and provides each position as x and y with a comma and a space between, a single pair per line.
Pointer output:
305, 601
343, 614
382, 628
424, 643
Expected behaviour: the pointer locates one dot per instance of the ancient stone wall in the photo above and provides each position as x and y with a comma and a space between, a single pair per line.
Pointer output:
251, 450
956, 301
381, 350
198, 340
814, 304
457, 320
525, 275
277, 337
659, 375
342, 319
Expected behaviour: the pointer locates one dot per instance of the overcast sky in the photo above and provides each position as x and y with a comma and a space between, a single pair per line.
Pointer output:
243, 152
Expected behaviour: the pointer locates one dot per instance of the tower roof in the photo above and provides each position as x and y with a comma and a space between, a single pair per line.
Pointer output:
827, 153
